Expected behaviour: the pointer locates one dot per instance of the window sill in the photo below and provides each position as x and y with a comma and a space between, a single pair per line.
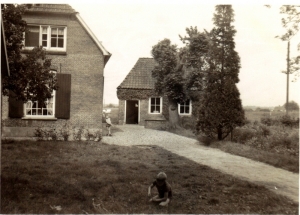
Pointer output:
39, 118
49, 52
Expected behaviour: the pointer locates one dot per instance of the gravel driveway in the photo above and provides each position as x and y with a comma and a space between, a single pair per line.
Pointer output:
278, 180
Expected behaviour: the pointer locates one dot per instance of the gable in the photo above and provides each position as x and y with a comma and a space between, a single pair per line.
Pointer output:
140, 76
63, 10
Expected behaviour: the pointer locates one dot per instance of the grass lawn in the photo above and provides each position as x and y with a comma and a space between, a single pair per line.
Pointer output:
93, 177
290, 163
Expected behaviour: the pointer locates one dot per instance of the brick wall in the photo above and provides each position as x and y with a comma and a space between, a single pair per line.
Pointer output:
85, 62
143, 111
121, 114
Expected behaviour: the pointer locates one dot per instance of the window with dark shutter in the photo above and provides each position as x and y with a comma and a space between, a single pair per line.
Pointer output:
63, 96
15, 106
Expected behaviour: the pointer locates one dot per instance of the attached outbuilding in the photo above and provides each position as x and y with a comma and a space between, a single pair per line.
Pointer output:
138, 101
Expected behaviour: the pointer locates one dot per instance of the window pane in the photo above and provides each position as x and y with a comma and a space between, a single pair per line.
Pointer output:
43, 109
53, 32
157, 101
44, 37
60, 43
152, 101
187, 109
32, 36
181, 109
44, 30
53, 42
60, 31
152, 109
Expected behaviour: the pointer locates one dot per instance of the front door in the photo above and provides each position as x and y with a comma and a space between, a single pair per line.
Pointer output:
132, 111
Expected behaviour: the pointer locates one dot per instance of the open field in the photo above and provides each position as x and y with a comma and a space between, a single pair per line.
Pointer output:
93, 177
257, 115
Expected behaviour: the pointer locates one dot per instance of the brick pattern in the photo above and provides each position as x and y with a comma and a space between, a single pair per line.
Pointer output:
143, 111
85, 62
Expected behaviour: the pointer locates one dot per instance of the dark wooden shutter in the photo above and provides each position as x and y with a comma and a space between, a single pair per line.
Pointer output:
15, 106
63, 96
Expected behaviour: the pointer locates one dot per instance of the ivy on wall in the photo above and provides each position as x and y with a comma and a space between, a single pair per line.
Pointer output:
131, 94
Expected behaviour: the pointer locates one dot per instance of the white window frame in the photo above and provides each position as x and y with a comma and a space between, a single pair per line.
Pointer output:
27, 116
190, 108
160, 108
48, 47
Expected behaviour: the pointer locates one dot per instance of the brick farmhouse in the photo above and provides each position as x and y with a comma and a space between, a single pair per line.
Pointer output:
78, 59
138, 101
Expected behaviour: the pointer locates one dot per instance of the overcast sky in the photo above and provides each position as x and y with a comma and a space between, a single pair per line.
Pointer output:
129, 29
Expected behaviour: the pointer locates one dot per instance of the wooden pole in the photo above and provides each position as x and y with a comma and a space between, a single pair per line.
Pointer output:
287, 78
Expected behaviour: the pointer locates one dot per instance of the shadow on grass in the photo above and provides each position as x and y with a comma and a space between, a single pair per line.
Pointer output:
93, 177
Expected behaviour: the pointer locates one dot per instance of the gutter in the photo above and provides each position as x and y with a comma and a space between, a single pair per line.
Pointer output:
4, 46
106, 54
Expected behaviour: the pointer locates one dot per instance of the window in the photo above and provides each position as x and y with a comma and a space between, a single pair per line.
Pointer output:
58, 107
36, 109
50, 37
155, 105
185, 108
45, 109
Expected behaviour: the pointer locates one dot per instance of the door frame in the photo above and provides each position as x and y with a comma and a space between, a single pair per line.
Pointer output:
125, 109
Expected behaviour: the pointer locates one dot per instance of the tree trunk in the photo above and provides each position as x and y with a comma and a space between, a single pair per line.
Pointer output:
220, 133
174, 119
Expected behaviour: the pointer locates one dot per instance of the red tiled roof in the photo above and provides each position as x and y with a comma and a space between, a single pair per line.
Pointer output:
52, 8
140, 76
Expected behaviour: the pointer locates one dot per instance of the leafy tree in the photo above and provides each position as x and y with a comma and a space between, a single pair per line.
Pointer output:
292, 106
30, 76
221, 109
169, 77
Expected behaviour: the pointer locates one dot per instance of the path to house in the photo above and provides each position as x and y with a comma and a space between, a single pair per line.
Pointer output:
286, 183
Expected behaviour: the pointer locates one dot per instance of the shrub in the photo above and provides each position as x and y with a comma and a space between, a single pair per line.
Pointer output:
266, 121
188, 122
265, 131
89, 135
98, 136
205, 139
39, 133
53, 134
241, 135
288, 121
77, 135
65, 132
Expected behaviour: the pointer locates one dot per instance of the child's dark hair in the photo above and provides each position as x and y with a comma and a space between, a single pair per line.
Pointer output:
161, 176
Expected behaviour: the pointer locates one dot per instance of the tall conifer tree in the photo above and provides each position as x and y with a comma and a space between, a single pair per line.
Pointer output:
221, 109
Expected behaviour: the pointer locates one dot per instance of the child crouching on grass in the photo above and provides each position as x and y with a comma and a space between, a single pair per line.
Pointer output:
164, 190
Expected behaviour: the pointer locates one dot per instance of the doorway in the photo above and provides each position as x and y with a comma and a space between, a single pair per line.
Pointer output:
132, 112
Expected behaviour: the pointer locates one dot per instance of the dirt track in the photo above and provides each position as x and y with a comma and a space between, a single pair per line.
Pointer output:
278, 180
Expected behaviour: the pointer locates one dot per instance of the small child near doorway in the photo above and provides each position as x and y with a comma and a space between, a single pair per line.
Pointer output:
108, 124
